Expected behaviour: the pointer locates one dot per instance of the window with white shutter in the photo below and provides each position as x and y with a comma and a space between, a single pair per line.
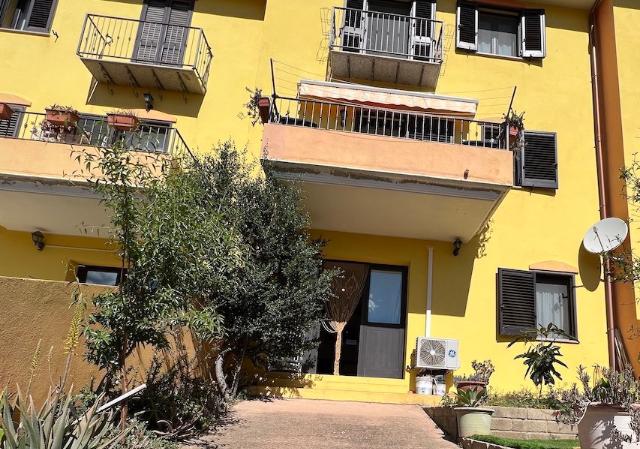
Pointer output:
528, 300
28, 15
488, 29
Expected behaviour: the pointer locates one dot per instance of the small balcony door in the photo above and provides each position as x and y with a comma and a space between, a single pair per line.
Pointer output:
163, 31
388, 26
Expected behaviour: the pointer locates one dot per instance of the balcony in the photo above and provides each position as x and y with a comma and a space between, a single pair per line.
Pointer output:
129, 52
42, 185
378, 46
388, 172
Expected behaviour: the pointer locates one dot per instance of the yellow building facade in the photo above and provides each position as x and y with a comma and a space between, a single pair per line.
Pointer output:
390, 116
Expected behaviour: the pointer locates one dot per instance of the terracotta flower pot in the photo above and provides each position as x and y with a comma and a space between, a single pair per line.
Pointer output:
471, 385
122, 122
264, 107
62, 118
595, 428
5, 111
473, 421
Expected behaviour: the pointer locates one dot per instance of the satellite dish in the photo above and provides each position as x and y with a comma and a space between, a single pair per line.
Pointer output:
606, 235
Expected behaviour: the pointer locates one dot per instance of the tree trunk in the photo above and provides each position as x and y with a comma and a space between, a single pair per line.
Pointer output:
221, 378
338, 351
123, 385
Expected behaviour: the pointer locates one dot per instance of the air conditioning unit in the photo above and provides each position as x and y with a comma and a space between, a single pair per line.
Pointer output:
437, 353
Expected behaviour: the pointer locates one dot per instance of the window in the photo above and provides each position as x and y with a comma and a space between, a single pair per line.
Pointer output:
503, 32
498, 34
28, 15
99, 275
538, 163
529, 299
11, 127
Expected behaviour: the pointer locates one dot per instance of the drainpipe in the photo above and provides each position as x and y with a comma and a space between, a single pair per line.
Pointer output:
604, 210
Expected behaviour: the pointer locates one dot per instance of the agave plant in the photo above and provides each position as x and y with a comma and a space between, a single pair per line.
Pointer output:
54, 425
470, 398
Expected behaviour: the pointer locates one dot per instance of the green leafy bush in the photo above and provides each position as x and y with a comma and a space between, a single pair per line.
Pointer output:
550, 399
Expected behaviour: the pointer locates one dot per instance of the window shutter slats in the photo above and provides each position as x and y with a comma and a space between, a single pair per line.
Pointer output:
467, 24
533, 34
40, 15
9, 128
516, 301
355, 4
423, 29
539, 162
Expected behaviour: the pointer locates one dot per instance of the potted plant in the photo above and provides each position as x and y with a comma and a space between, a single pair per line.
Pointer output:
473, 419
5, 111
515, 122
62, 115
122, 120
479, 380
606, 410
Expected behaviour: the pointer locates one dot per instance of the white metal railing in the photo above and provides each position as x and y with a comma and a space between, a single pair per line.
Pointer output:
386, 34
388, 122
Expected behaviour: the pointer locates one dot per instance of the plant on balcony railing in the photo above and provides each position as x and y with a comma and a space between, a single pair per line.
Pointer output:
515, 123
60, 124
122, 120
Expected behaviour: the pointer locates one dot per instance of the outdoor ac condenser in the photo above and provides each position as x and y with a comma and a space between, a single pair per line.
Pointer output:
437, 353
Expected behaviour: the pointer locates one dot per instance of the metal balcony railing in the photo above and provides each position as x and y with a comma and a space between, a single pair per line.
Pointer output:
144, 42
388, 122
384, 34
94, 131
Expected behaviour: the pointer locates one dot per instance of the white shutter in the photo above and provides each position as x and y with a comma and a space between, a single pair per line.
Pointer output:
533, 34
467, 27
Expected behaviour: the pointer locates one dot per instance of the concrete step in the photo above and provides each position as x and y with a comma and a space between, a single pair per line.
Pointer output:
342, 394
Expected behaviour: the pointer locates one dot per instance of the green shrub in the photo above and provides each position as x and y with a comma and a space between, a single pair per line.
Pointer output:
527, 399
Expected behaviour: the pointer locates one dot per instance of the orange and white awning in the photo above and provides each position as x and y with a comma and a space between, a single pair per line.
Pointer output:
386, 98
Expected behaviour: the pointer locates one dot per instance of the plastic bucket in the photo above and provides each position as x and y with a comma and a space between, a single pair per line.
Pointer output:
424, 385
440, 386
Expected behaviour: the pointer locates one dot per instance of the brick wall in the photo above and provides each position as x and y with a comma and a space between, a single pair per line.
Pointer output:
510, 422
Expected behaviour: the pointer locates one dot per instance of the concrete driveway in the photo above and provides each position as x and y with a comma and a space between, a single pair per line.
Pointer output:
313, 424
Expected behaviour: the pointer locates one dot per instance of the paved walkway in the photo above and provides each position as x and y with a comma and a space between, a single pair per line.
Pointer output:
312, 424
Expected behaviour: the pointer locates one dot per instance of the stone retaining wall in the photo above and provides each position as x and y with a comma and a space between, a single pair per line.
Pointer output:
511, 422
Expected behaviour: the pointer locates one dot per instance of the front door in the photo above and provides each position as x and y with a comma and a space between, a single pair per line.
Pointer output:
163, 31
382, 329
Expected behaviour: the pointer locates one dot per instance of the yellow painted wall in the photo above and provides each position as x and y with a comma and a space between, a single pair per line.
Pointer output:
528, 227
20, 258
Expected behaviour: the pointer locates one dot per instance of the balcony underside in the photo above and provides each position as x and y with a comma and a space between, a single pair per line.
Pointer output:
53, 207
376, 67
386, 186
365, 203
128, 73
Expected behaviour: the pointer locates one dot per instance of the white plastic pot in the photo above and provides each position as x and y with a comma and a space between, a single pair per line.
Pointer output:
473, 421
595, 428
424, 385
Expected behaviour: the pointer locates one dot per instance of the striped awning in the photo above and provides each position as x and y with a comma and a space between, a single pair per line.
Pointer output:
386, 98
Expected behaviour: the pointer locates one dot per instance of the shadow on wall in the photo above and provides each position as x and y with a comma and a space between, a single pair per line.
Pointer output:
452, 275
590, 270
241, 9
118, 97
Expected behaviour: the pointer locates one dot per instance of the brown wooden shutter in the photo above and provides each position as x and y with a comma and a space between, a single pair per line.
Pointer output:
533, 33
11, 127
539, 161
467, 27
40, 15
516, 301
148, 45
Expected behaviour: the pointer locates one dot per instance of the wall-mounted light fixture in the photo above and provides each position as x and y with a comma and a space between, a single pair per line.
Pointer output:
38, 240
457, 244
148, 101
